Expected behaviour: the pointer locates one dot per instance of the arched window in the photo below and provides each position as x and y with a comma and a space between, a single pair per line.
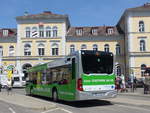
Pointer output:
83, 47
142, 45
27, 49
41, 31
72, 48
118, 50
55, 49
95, 47
11, 51
48, 31
106, 48
1, 50
25, 68
143, 66
28, 32
41, 50
55, 30
34, 32
141, 26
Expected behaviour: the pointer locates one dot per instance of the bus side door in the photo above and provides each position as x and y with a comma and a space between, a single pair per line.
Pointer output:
67, 84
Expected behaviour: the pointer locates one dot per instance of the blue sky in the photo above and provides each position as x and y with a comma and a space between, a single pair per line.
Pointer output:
81, 12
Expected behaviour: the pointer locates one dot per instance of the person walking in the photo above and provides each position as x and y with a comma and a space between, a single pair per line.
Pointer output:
147, 84
9, 86
123, 84
134, 83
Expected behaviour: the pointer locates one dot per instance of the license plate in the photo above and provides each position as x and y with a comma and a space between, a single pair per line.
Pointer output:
98, 94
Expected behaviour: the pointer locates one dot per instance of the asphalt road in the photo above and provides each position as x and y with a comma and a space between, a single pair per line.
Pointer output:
94, 106
10, 108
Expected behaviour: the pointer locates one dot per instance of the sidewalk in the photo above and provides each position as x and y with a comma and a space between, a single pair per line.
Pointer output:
138, 92
26, 101
123, 98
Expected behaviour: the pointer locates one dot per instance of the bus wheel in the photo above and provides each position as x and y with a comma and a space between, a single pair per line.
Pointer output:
55, 96
30, 92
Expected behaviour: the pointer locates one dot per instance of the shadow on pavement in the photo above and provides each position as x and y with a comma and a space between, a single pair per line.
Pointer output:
87, 103
79, 104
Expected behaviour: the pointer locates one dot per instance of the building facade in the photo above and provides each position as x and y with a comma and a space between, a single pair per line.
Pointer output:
44, 37
135, 25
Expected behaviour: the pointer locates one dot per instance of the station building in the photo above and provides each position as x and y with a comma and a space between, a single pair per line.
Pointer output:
44, 37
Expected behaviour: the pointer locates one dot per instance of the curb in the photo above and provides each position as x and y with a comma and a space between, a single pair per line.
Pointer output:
129, 104
138, 95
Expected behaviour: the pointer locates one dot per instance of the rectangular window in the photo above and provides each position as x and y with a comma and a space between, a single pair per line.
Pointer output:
110, 30
54, 33
102, 63
1, 52
5, 32
27, 34
79, 32
41, 34
27, 53
54, 51
48, 33
94, 31
41, 51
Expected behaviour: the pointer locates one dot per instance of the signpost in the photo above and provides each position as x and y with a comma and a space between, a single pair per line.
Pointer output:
9, 71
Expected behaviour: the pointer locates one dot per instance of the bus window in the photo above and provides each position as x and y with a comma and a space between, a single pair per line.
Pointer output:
39, 77
73, 68
48, 76
54, 75
66, 74
98, 64
59, 74
43, 77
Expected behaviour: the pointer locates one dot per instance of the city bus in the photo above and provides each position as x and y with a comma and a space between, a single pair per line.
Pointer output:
83, 75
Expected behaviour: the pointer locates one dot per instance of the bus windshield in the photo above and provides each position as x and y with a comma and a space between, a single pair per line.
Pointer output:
97, 63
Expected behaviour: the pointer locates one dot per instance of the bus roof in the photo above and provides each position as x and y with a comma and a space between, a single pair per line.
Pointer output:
38, 68
64, 61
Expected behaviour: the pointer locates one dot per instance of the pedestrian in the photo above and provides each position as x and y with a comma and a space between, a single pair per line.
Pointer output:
147, 83
134, 83
9, 86
0, 87
118, 83
123, 84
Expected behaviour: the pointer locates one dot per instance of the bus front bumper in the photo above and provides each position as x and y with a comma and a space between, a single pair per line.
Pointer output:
84, 95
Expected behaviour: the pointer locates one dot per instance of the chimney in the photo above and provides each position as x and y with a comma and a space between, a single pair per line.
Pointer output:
47, 12
147, 4
26, 13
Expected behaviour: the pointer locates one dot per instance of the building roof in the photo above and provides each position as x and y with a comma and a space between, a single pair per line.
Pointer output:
11, 37
87, 31
144, 7
44, 15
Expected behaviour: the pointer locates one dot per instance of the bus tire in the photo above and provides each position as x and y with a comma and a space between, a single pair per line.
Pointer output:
55, 95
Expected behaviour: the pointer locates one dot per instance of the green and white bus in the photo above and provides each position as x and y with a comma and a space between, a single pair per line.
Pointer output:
84, 75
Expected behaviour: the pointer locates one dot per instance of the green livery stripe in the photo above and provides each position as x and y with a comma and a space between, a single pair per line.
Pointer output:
38, 68
98, 79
